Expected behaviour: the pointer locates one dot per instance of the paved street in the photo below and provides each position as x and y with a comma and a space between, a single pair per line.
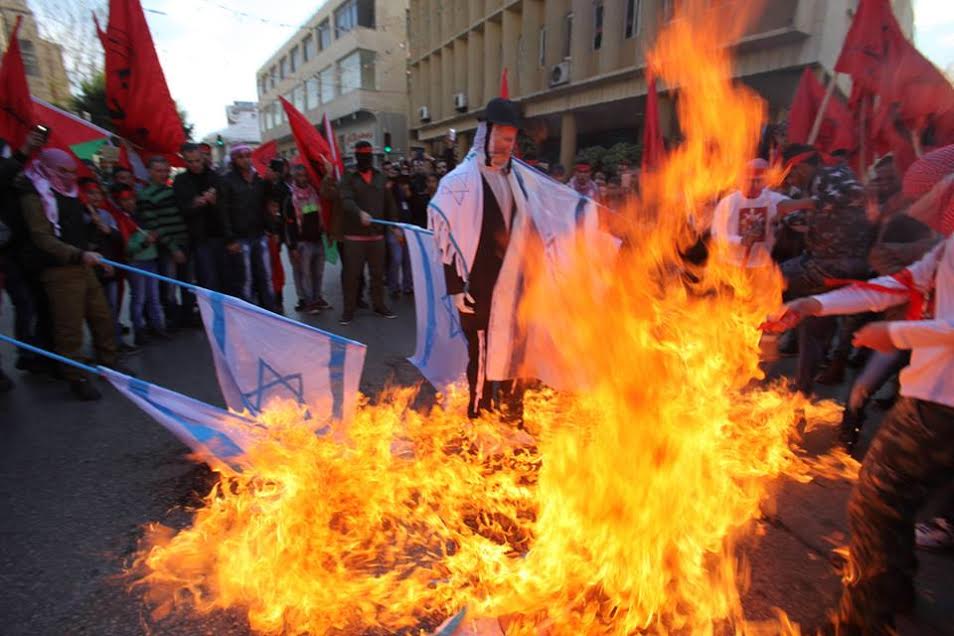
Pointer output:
78, 481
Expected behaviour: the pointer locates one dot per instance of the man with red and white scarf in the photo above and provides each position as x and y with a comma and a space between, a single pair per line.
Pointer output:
912, 455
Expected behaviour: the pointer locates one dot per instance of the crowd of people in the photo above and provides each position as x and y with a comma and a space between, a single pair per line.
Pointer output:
221, 229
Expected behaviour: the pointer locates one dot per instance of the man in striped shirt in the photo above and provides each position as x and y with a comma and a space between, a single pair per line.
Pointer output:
157, 210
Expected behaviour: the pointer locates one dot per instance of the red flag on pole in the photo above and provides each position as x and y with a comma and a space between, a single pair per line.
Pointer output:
873, 38
332, 140
919, 91
311, 145
263, 154
16, 107
653, 147
504, 86
837, 127
136, 91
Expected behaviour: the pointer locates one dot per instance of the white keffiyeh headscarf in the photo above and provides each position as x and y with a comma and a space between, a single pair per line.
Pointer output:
49, 175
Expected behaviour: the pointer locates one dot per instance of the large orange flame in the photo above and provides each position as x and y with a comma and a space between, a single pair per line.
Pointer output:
620, 515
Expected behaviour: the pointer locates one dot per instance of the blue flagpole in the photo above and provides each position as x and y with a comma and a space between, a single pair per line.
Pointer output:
50, 354
403, 226
142, 272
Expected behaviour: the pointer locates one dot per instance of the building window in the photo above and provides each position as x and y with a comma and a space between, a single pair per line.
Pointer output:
293, 59
308, 51
262, 84
632, 18
290, 98
327, 80
282, 68
324, 35
597, 24
29, 58
356, 71
312, 93
567, 35
543, 46
298, 97
272, 74
354, 13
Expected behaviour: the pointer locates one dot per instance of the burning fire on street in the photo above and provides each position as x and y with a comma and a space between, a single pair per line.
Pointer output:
619, 512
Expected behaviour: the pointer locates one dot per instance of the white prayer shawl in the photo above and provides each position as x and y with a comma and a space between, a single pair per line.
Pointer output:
547, 210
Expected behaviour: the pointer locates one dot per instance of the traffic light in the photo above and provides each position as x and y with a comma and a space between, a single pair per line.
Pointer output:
387, 143
219, 141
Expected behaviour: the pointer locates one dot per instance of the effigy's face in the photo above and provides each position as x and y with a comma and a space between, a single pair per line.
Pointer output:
501, 144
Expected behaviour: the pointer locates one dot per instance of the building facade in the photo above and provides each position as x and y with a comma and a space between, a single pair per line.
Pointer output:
42, 59
579, 65
243, 129
349, 60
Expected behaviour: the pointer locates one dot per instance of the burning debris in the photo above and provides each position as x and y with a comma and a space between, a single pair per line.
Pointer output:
619, 515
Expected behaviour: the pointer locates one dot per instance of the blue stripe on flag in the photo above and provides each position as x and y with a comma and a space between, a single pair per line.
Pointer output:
336, 372
580, 208
218, 442
430, 330
216, 301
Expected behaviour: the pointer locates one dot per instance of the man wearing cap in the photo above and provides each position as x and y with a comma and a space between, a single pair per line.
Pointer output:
241, 202
743, 224
583, 183
912, 454
485, 214
364, 198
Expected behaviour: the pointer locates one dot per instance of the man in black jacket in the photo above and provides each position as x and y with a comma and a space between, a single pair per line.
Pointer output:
241, 201
196, 195
364, 197
22, 286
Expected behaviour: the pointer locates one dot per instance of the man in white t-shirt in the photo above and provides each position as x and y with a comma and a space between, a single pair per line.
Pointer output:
743, 225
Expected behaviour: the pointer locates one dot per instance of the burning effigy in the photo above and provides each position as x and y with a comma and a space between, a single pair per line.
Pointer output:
615, 509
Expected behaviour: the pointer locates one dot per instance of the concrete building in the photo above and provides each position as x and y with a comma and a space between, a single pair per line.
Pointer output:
349, 61
242, 129
579, 65
42, 59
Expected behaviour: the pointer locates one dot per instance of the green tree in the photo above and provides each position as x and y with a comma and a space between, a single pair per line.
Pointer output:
92, 99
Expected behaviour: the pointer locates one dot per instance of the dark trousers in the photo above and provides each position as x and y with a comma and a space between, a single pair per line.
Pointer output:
910, 459
75, 297
211, 269
814, 337
484, 395
178, 303
21, 297
354, 256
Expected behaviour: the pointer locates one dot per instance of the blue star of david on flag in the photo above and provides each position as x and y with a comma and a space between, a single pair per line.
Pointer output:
453, 317
456, 186
268, 379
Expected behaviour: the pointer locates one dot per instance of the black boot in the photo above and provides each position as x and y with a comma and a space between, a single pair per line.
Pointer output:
850, 432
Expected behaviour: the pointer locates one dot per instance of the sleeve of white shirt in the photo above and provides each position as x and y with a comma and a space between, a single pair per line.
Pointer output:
855, 299
725, 221
911, 334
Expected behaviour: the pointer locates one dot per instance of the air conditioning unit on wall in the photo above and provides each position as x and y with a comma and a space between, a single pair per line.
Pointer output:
460, 102
560, 74
424, 114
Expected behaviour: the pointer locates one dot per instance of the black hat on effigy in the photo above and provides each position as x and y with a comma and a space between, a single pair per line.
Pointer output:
502, 112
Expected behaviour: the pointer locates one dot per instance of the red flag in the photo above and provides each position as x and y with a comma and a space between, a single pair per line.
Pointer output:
504, 86
16, 108
263, 154
653, 147
136, 91
872, 40
332, 140
919, 91
837, 126
311, 145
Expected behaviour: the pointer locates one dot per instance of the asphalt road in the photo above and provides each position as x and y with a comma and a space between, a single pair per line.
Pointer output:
79, 481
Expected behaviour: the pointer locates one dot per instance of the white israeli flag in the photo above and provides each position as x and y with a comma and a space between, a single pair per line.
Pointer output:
205, 429
441, 352
261, 356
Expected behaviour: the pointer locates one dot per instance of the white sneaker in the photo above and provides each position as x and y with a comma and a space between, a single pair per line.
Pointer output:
936, 534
